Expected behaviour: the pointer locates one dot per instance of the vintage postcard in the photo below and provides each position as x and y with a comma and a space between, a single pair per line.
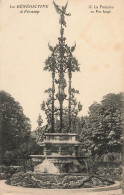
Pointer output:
61, 96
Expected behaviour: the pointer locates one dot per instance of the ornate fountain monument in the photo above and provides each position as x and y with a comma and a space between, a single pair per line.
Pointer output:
58, 166
60, 142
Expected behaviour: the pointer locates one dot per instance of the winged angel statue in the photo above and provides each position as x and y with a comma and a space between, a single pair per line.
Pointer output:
62, 11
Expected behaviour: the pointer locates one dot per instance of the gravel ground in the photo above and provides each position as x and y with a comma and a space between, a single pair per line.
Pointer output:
13, 190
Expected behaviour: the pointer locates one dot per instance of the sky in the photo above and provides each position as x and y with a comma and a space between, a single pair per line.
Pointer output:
24, 39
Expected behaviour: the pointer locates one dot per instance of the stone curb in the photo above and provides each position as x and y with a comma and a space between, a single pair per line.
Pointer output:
115, 186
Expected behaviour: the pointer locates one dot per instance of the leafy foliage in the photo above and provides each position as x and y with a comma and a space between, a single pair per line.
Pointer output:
57, 181
105, 124
15, 140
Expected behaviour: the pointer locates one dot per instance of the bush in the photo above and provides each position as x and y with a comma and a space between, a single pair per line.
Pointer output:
8, 171
30, 179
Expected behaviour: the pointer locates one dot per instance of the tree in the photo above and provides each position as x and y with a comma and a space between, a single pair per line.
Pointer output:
15, 127
114, 118
98, 141
106, 124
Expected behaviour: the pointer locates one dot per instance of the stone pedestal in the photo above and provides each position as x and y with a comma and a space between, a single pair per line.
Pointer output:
59, 151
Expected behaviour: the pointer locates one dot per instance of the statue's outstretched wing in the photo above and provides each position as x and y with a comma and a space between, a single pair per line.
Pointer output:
58, 10
65, 7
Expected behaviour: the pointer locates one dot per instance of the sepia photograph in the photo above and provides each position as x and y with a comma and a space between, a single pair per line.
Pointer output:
61, 97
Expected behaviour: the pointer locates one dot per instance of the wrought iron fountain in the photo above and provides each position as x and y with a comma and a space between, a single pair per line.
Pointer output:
59, 143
